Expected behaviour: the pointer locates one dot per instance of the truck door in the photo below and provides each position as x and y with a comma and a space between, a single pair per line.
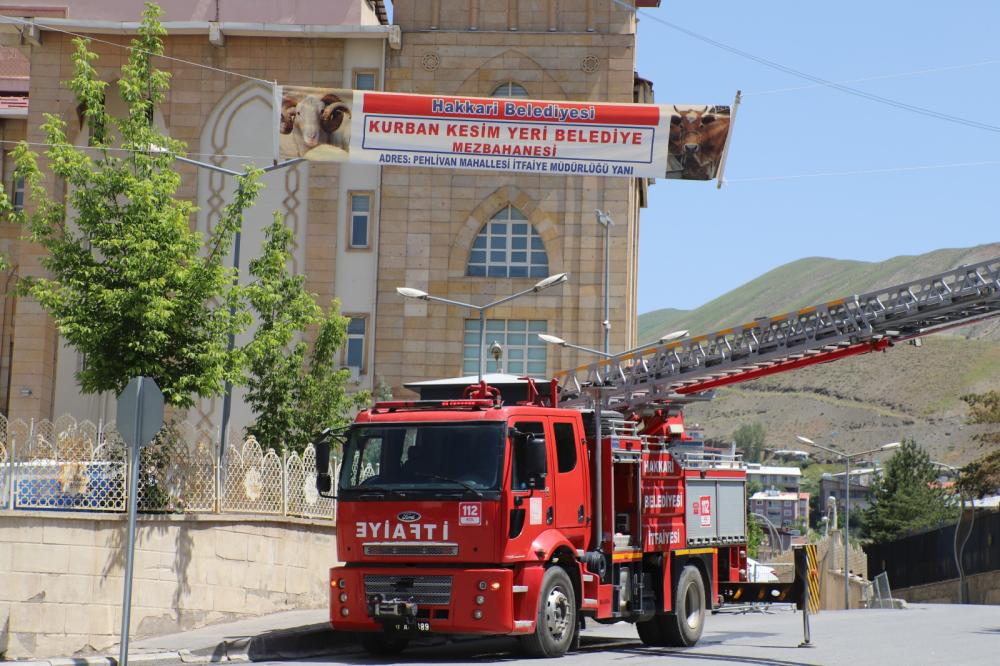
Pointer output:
569, 482
533, 511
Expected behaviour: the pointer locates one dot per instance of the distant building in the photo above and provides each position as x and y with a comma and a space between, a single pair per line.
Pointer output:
781, 478
833, 485
783, 509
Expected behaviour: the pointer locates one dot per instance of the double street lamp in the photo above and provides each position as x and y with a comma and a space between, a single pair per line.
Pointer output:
847, 458
551, 281
555, 340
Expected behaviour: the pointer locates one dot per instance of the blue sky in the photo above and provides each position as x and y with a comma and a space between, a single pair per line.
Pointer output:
698, 242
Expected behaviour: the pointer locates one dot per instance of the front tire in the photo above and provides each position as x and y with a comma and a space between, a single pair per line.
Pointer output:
382, 644
556, 621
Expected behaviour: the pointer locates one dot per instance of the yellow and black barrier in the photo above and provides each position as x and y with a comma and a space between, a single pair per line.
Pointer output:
803, 591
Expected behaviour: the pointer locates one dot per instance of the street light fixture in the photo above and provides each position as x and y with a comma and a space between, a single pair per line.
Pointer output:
604, 219
847, 496
551, 281
554, 340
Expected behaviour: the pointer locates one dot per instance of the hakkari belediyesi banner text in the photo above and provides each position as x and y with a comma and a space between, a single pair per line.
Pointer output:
503, 134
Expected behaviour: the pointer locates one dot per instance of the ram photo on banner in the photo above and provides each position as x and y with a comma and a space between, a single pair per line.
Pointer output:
501, 134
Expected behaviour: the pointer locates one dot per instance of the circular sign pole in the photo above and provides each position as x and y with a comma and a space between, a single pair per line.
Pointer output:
140, 416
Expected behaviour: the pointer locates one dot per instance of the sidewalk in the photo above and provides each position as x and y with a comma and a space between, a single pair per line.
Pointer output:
287, 635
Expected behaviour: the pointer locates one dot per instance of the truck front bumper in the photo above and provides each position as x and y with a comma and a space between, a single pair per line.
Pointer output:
424, 600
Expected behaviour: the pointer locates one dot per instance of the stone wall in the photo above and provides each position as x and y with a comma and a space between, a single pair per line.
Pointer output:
61, 575
984, 588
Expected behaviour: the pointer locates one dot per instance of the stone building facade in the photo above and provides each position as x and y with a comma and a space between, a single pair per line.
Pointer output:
437, 223
435, 230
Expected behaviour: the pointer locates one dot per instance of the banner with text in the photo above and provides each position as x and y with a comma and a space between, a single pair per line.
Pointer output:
503, 134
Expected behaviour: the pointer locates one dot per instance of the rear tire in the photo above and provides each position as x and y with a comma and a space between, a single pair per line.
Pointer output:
556, 622
685, 624
382, 644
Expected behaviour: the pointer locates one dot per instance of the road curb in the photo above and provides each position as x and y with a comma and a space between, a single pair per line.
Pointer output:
310, 641
315, 640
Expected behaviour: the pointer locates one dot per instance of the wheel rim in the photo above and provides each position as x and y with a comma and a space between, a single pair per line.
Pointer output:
692, 606
557, 613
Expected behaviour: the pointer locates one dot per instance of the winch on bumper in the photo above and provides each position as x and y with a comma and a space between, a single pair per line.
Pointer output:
401, 599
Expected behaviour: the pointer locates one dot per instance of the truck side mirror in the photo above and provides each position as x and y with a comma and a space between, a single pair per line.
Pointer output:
322, 446
535, 462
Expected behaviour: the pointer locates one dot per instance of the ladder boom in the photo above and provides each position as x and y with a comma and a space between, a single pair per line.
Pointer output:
660, 372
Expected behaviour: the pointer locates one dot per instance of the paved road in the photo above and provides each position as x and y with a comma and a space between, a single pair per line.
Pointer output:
924, 634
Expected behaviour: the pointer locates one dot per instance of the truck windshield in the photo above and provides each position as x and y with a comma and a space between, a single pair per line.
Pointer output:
454, 457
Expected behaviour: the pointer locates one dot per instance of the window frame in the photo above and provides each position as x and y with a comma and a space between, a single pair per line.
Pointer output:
510, 83
530, 332
16, 187
363, 370
508, 249
349, 245
364, 70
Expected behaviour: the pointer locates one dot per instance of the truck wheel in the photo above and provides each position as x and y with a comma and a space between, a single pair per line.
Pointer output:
653, 632
556, 620
382, 644
684, 625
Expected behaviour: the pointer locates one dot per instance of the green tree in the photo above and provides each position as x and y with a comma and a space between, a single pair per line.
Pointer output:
905, 499
750, 438
295, 391
129, 284
982, 477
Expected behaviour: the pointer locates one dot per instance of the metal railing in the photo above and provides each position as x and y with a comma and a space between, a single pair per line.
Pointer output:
65, 465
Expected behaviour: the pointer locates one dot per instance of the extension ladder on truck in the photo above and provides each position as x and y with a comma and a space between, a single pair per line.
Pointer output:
664, 371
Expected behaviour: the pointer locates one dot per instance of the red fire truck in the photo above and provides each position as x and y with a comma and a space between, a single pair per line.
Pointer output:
522, 509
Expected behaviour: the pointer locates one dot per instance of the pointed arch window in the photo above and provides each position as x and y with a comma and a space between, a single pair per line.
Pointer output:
508, 246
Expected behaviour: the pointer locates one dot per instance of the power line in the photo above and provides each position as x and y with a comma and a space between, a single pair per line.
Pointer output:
268, 158
878, 77
975, 124
14, 19
921, 167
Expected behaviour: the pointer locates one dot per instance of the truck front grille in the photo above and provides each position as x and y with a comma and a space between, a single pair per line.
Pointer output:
411, 549
429, 590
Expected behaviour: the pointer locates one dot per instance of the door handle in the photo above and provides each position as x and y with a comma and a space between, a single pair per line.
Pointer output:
579, 514
548, 516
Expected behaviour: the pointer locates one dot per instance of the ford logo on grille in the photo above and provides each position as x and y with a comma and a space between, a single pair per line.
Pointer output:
408, 516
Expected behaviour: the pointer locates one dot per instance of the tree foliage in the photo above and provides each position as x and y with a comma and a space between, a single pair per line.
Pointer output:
905, 499
755, 536
982, 477
296, 391
127, 281
750, 438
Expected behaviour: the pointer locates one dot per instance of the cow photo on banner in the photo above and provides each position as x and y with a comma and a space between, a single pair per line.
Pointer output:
544, 137
698, 136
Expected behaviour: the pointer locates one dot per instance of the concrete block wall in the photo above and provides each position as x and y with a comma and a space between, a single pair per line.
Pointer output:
61, 575
984, 588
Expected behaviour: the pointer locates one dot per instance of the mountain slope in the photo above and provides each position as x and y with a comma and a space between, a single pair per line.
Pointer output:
807, 282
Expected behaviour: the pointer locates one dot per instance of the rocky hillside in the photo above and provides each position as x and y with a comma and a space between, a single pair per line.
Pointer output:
856, 403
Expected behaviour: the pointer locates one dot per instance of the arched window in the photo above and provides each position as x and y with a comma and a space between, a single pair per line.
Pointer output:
508, 246
510, 89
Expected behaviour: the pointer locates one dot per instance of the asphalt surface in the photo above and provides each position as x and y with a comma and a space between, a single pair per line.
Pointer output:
922, 634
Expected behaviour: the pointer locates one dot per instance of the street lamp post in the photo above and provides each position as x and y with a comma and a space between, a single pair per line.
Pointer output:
847, 498
604, 219
552, 280
227, 397
963, 585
